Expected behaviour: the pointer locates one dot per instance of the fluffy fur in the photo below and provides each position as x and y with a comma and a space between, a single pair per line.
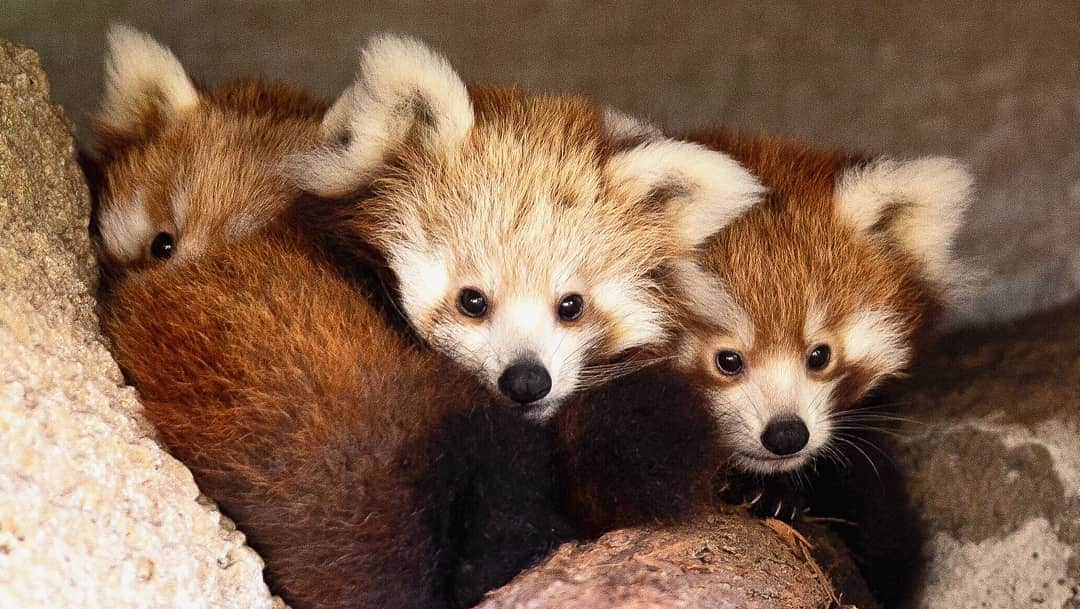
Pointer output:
201, 165
847, 252
142, 78
362, 483
923, 200
524, 198
367, 471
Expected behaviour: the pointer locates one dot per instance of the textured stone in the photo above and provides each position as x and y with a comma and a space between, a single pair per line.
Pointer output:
993, 465
93, 513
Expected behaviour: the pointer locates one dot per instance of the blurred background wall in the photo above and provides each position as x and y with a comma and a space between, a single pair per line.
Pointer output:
994, 83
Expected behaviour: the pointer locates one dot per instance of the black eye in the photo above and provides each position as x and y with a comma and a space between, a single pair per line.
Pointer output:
162, 246
472, 302
570, 307
819, 357
344, 138
729, 362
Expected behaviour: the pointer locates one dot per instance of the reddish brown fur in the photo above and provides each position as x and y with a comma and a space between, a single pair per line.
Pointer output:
349, 457
223, 157
792, 253
660, 450
272, 380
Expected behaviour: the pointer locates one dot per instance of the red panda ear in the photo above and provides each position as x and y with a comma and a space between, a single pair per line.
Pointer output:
405, 92
700, 191
917, 204
624, 131
144, 83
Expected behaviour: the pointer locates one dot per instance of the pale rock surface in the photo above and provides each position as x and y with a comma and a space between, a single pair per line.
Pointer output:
93, 513
1028, 567
991, 453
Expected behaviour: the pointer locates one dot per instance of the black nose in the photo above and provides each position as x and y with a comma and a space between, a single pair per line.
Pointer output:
785, 436
525, 382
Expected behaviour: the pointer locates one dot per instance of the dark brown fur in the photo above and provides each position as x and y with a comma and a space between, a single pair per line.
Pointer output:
640, 449
269, 378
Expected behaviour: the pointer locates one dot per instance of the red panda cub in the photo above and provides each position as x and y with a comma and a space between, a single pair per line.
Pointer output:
528, 234
368, 472
214, 172
794, 313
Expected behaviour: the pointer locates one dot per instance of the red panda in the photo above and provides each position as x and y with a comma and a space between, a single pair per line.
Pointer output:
792, 315
213, 172
366, 470
528, 234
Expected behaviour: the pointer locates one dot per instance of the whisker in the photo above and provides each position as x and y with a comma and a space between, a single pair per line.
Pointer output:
855, 415
877, 448
597, 374
840, 438
869, 429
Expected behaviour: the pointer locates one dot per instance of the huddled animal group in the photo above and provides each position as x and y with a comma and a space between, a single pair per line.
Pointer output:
413, 339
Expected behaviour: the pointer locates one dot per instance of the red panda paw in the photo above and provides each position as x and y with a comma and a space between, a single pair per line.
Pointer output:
781, 497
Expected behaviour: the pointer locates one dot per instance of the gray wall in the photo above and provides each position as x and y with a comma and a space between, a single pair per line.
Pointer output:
996, 85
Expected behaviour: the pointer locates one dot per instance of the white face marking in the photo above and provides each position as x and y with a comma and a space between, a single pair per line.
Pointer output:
779, 387
814, 325
707, 298
524, 329
878, 341
126, 229
517, 329
423, 280
178, 204
523, 274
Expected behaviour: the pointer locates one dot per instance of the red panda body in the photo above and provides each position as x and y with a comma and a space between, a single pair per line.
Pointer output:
367, 470
791, 315
255, 365
344, 453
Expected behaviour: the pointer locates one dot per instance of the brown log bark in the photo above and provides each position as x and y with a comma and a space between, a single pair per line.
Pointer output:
723, 560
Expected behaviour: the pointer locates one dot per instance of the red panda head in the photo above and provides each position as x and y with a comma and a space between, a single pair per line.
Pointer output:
526, 232
178, 169
810, 300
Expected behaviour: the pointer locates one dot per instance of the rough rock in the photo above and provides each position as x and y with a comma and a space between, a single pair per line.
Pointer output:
725, 560
92, 512
991, 453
